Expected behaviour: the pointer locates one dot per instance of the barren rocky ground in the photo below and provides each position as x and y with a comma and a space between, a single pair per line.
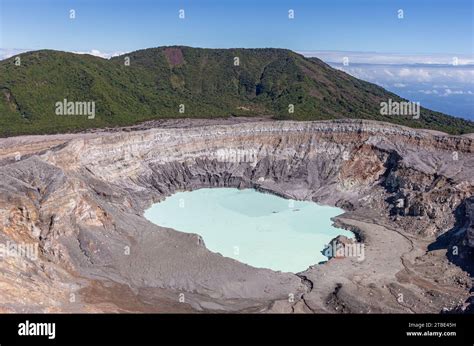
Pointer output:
80, 198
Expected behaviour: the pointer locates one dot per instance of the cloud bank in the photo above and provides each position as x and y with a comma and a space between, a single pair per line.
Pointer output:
390, 58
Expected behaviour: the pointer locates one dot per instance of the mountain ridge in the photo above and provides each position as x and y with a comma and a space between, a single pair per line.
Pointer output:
185, 82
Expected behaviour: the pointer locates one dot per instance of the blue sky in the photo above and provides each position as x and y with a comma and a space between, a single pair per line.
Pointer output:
429, 26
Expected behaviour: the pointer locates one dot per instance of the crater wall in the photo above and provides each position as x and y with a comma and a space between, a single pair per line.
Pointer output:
81, 198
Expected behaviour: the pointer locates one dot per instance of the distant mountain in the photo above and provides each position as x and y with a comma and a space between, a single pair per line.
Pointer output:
171, 82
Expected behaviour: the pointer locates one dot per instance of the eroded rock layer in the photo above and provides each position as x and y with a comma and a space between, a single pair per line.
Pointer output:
80, 199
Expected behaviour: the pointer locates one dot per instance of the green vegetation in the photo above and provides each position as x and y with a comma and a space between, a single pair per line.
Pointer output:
206, 81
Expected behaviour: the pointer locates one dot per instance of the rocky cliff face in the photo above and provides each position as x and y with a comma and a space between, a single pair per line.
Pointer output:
470, 221
81, 199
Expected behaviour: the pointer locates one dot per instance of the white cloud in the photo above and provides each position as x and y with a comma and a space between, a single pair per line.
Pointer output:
6, 53
390, 58
428, 92
403, 69
448, 92
96, 52
444, 76
445, 92
420, 74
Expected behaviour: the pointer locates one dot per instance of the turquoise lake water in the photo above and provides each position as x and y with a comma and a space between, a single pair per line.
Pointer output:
259, 229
